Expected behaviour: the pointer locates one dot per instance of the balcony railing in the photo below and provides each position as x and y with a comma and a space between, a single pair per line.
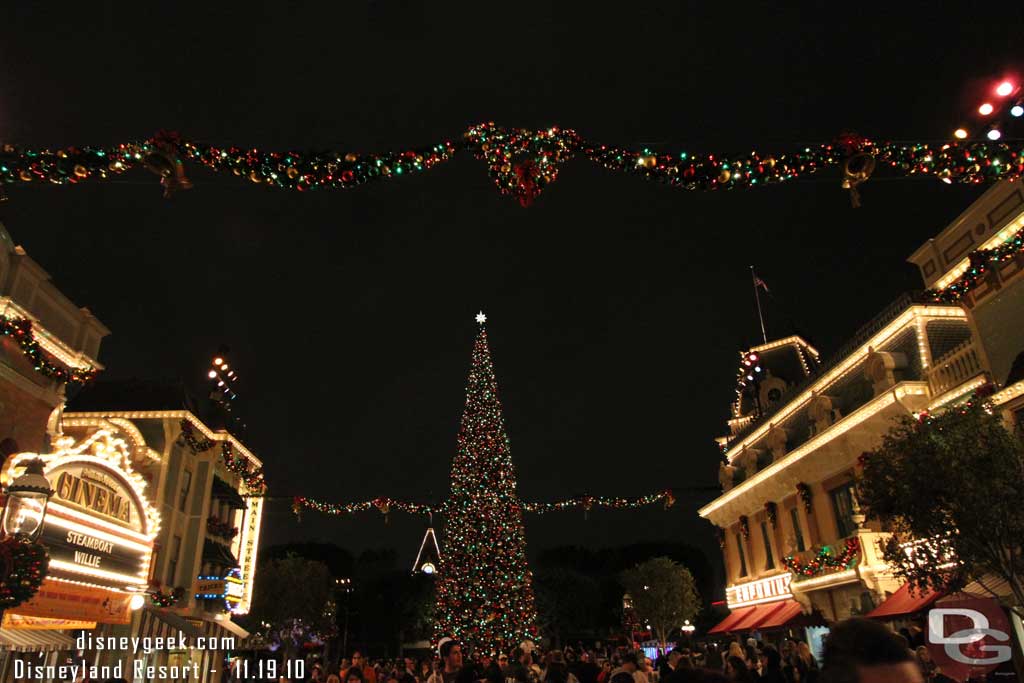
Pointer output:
954, 367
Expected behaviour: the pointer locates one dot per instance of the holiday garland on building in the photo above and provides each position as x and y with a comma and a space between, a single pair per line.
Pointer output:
521, 162
23, 566
20, 330
982, 263
804, 491
240, 465
168, 598
485, 591
825, 560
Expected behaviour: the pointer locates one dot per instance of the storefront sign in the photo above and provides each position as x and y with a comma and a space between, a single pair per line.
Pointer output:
760, 591
230, 587
99, 530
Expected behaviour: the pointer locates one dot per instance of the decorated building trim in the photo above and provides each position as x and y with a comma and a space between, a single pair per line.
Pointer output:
49, 342
759, 591
747, 488
848, 364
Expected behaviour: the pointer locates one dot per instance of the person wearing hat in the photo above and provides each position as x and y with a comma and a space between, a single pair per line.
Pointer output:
625, 672
451, 657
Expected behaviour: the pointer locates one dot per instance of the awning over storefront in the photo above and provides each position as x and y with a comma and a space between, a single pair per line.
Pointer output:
225, 492
903, 602
18, 640
161, 623
218, 554
788, 611
727, 624
229, 628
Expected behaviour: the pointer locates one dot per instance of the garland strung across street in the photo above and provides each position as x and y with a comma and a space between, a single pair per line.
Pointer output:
521, 162
385, 505
20, 330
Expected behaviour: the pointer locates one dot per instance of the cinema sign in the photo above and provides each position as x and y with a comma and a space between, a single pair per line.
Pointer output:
99, 527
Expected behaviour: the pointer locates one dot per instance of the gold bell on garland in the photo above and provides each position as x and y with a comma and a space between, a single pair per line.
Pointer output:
351, 157
857, 169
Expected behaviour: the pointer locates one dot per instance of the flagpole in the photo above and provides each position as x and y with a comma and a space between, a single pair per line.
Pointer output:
757, 298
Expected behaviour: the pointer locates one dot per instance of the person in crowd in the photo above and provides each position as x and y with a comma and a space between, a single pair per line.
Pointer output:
503, 663
737, 670
423, 671
366, 671
642, 673
925, 662
354, 675
625, 671
713, 657
333, 678
584, 668
556, 670
520, 669
860, 650
605, 672
735, 650
771, 666
670, 663
450, 652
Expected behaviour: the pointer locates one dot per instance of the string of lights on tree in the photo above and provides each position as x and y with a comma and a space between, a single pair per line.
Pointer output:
20, 330
23, 566
522, 162
825, 560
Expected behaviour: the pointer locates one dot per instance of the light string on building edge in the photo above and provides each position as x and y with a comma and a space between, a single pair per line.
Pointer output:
238, 464
20, 330
385, 505
521, 162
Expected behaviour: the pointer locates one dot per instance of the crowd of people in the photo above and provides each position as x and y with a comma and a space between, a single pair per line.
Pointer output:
856, 651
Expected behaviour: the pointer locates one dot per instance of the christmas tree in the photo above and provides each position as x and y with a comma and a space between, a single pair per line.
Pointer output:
484, 596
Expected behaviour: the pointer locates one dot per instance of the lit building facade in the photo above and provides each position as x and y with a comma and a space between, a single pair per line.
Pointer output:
797, 551
205, 556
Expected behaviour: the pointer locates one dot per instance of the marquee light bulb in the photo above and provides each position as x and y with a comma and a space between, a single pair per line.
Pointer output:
994, 134
960, 134
211, 374
1004, 88
986, 109
1017, 110
218, 360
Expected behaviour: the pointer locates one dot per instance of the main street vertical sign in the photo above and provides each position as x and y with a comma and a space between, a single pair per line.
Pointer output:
99, 530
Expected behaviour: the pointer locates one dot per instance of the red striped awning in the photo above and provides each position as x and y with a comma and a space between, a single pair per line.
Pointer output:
734, 617
903, 602
789, 610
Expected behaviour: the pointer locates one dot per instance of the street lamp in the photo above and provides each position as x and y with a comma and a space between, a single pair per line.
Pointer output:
27, 499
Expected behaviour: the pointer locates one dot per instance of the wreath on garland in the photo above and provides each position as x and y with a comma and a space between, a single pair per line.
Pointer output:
188, 437
745, 526
23, 566
825, 561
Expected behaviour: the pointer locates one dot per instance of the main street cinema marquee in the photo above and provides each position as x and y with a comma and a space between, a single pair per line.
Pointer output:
99, 530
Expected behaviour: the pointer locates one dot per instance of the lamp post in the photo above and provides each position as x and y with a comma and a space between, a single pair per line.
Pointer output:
27, 499
25, 507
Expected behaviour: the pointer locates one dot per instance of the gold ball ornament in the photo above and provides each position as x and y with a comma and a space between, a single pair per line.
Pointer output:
506, 168
351, 157
254, 176
724, 176
649, 161
25, 175
81, 171
770, 162
292, 172
115, 166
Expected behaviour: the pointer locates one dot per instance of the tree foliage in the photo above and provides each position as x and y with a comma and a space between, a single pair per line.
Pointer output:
568, 602
950, 488
292, 594
663, 593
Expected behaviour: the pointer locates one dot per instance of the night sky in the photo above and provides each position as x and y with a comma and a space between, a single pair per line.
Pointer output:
616, 306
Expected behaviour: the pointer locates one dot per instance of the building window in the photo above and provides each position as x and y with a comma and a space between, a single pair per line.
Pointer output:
842, 506
172, 562
769, 558
797, 531
186, 484
743, 557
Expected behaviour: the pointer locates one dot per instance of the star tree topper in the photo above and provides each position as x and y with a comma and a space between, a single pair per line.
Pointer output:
481, 318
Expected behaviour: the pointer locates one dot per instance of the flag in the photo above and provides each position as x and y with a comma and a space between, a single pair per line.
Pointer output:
758, 282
